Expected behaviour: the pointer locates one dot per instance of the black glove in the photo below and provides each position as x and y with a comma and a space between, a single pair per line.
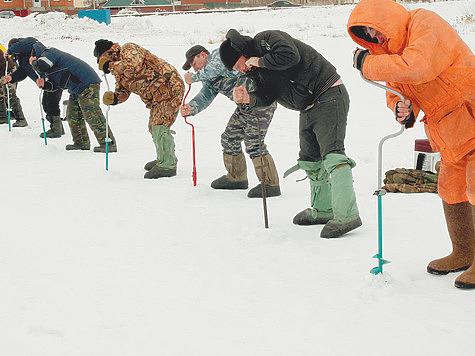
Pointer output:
359, 57
49, 86
410, 120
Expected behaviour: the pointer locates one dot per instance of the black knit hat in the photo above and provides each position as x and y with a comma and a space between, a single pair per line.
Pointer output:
190, 55
229, 55
102, 46
12, 41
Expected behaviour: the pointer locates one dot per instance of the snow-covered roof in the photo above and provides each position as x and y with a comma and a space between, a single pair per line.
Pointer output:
133, 3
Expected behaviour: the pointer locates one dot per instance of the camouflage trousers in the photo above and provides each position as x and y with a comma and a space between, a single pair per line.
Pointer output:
15, 104
165, 112
410, 181
243, 126
86, 108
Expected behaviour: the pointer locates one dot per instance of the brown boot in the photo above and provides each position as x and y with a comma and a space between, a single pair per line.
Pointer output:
467, 279
460, 226
271, 177
237, 173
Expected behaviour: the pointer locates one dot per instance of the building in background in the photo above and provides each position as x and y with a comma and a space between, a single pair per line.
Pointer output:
26, 7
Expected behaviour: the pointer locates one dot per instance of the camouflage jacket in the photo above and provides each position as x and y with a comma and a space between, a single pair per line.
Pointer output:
138, 71
410, 181
216, 78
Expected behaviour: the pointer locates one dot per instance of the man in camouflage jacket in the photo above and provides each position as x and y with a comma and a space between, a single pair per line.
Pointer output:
160, 87
242, 126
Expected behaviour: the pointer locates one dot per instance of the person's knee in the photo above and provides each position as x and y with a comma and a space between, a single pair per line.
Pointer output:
333, 161
454, 182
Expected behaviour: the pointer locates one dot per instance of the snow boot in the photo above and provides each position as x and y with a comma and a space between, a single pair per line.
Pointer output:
74, 147
237, 173
56, 127
20, 123
17, 111
102, 148
149, 165
101, 139
345, 211
467, 279
157, 172
320, 195
271, 184
165, 147
460, 226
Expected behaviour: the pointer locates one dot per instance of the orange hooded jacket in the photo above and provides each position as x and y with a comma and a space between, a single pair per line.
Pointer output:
424, 59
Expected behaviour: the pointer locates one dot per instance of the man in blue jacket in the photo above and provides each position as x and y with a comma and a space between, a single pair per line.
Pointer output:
295, 75
8, 97
83, 84
20, 49
242, 126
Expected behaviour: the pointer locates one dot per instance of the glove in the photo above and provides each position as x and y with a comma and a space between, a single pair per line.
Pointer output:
359, 57
410, 120
104, 64
49, 86
109, 98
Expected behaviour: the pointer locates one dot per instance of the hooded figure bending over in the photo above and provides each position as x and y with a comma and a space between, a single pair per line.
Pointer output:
296, 76
420, 55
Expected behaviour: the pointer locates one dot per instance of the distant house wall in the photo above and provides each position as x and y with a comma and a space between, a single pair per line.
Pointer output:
25, 7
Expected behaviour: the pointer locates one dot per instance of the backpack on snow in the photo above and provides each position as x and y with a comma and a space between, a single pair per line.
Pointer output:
410, 181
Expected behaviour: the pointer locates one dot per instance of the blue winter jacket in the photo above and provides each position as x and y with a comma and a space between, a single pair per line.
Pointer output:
64, 70
21, 51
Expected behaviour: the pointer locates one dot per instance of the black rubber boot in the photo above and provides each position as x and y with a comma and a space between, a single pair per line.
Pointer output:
56, 128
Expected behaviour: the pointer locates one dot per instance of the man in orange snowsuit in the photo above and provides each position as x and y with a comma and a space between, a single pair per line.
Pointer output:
420, 55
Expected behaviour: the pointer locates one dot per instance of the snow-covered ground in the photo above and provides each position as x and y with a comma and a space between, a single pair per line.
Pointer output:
102, 263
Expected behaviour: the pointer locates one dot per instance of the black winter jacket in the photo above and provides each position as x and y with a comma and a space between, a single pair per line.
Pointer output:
64, 70
292, 73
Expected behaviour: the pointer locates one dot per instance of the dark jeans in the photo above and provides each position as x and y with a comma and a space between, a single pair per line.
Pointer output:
50, 103
322, 128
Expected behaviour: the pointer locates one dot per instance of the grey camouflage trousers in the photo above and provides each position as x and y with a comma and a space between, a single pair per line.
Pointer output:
86, 108
243, 126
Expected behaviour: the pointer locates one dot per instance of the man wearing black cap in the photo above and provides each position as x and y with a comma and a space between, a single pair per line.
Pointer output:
242, 126
160, 87
295, 75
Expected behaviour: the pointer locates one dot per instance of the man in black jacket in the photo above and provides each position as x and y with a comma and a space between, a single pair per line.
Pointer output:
295, 75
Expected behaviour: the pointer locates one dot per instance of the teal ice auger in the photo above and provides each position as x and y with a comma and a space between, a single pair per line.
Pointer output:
108, 139
42, 116
380, 191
